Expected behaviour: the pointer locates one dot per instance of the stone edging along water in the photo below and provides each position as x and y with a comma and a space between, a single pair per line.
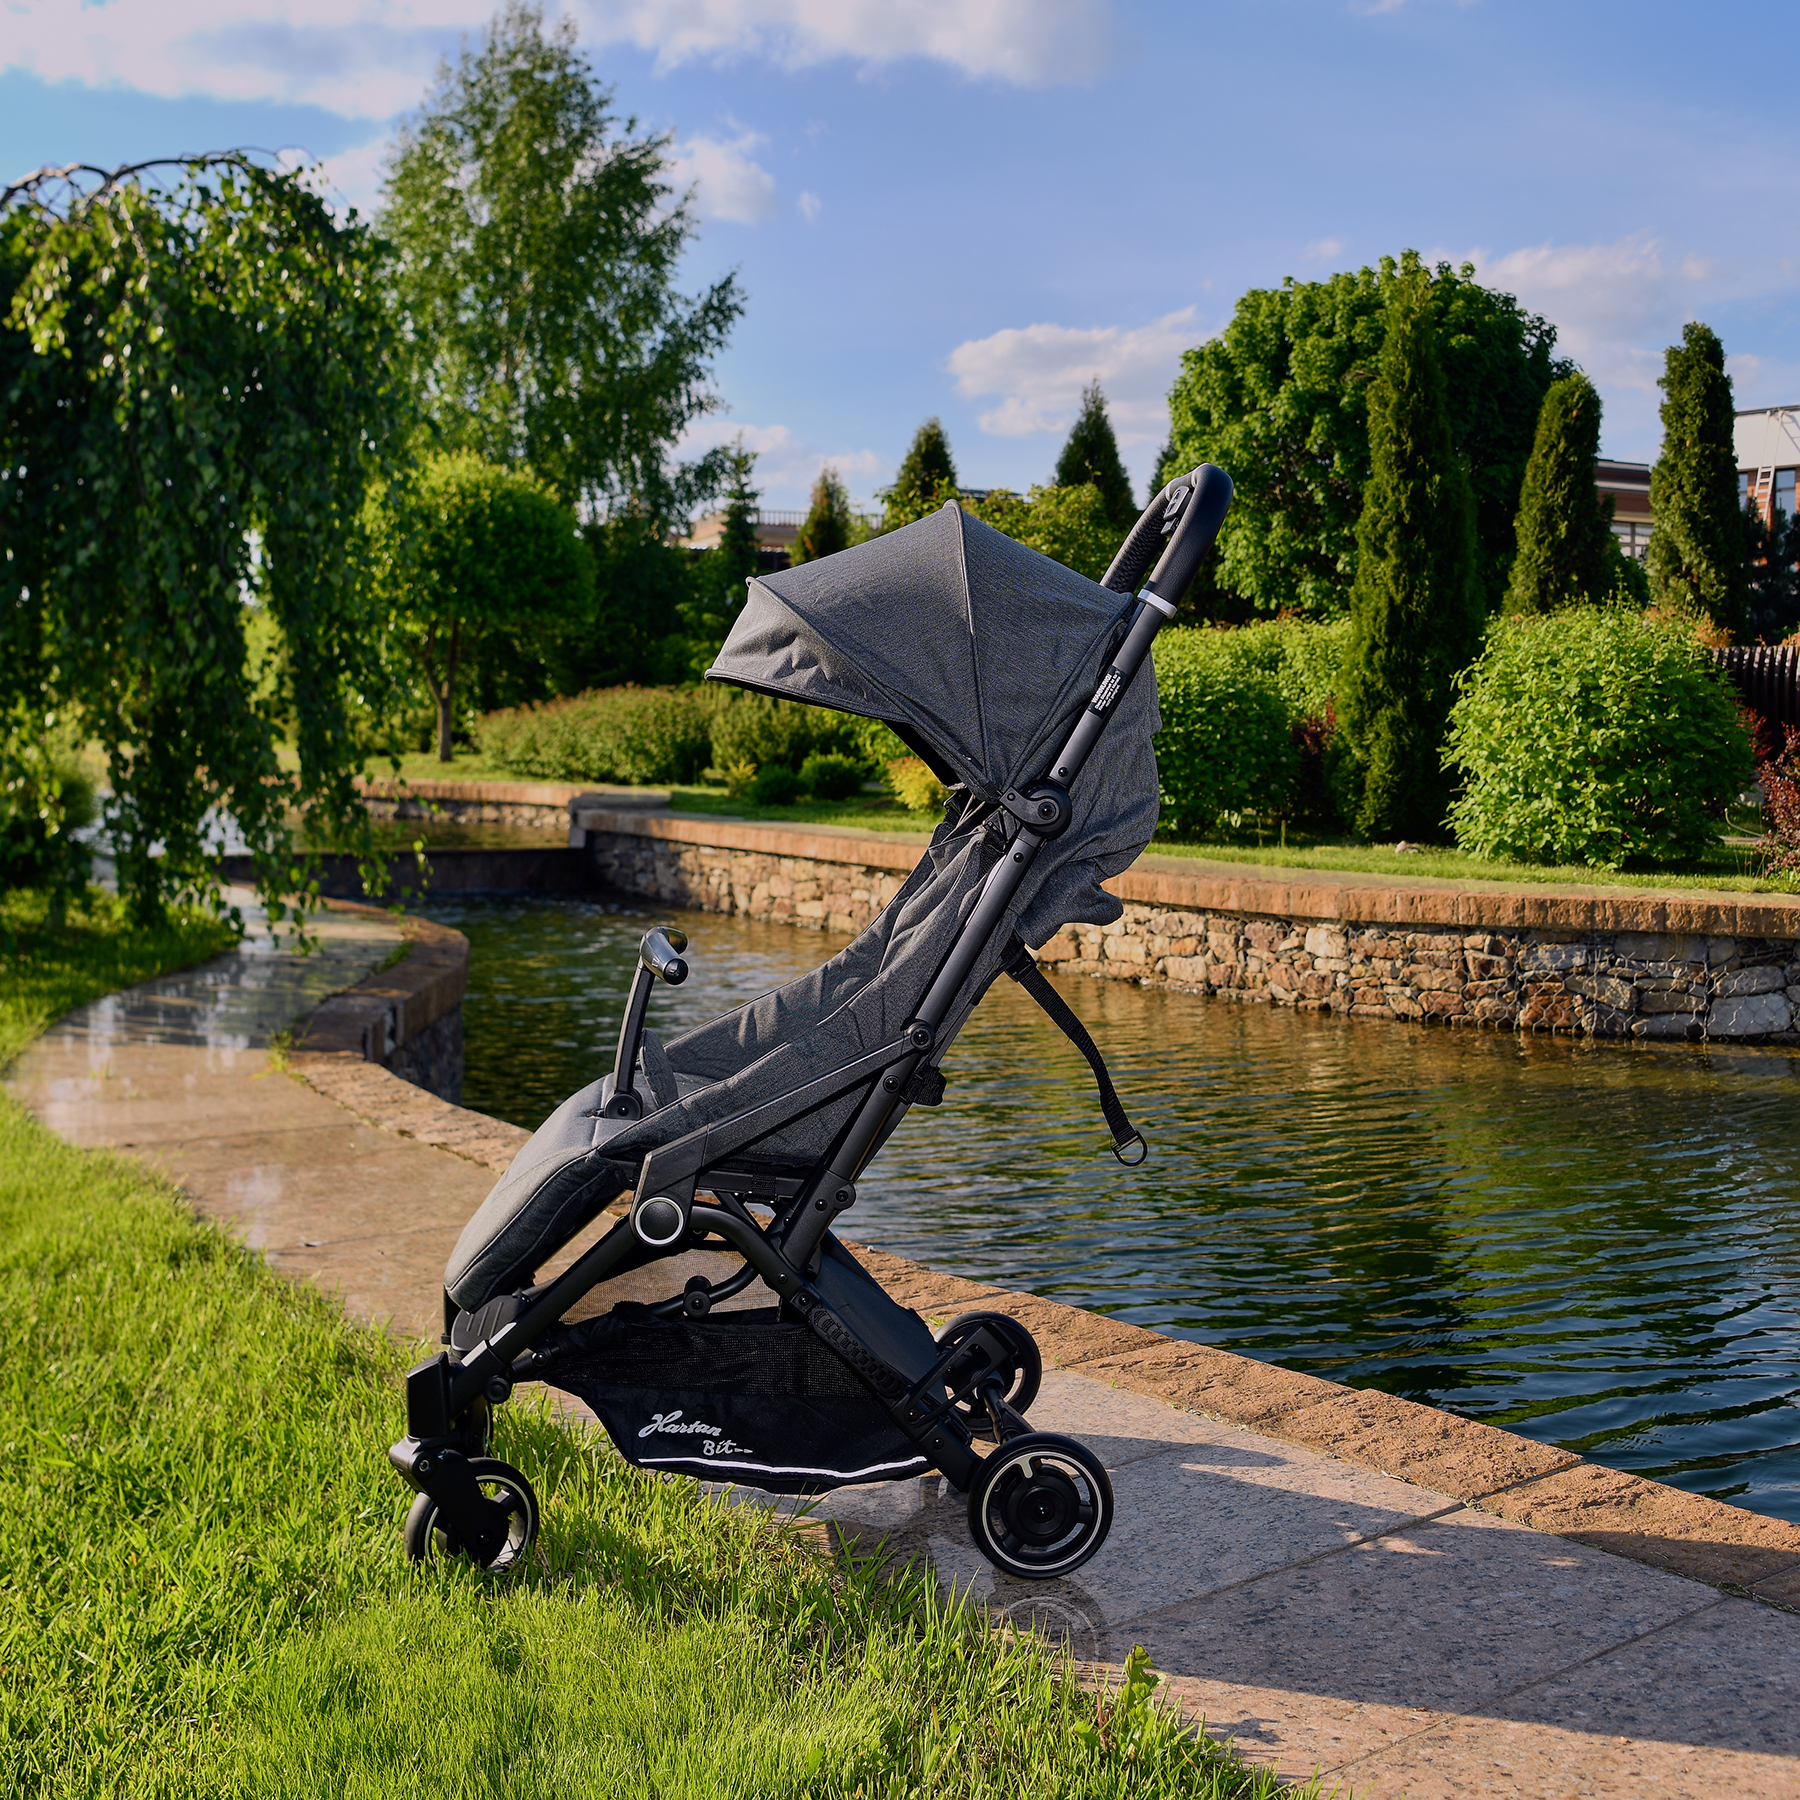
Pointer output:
1685, 966
340, 1051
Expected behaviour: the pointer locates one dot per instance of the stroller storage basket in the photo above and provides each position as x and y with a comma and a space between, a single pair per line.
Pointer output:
1025, 687
739, 1396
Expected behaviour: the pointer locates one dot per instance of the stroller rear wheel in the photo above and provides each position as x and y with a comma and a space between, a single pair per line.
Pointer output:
1040, 1507
429, 1533
1021, 1370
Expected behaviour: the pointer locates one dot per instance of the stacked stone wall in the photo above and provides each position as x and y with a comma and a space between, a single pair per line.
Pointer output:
1606, 983
1603, 984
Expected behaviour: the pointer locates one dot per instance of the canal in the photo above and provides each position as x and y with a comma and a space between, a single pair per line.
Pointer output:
1591, 1244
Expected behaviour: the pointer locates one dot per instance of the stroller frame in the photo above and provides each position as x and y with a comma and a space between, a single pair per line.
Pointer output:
694, 1193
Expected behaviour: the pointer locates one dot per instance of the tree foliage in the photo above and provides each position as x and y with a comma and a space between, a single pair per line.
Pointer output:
198, 390
539, 243
1281, 399
828, 527
1696, 556
1091, 459
1417, 608
470, 550
1567, 552
1070, 525
925, 471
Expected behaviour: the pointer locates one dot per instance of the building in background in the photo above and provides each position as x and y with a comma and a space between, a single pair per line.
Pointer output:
1768, 456
1627, 485
775, 535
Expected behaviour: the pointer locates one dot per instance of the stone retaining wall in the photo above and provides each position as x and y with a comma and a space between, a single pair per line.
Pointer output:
1620, 965
528, 803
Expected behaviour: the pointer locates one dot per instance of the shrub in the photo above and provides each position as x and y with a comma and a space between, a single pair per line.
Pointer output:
628, 734
914, 785
775, 784
1287, 668
1226, 744
1779, 777
756, 728
1593, 736
828, 776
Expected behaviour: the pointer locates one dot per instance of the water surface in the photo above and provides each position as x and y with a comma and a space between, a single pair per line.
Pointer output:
1592, 1244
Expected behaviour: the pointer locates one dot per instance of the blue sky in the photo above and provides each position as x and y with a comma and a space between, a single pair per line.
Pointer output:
971, 207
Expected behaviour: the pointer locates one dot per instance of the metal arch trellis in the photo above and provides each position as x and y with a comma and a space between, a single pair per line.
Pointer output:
82, 183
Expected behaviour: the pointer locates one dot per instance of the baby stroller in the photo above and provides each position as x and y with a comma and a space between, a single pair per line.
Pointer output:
1013, 678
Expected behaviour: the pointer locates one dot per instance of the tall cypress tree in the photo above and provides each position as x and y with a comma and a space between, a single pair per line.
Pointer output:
1696, 555
925, 471
827, 527
1566, 551
1416, 608
720, 574
1092, 455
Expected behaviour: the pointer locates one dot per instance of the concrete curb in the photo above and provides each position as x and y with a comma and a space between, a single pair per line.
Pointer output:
389, 1008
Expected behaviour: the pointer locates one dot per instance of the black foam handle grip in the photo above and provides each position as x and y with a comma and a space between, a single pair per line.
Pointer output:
1209, 500
658, 951
1144, 545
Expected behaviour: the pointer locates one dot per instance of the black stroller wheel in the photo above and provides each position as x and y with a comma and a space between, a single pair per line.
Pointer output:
429, 1533
1023, 1375
1040, 1507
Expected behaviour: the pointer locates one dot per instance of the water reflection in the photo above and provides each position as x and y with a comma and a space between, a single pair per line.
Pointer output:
1594, 1245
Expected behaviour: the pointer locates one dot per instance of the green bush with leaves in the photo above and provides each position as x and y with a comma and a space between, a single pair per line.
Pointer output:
1593, 736
830, 775
757, 729
1275, 670
628, 734
1227, 742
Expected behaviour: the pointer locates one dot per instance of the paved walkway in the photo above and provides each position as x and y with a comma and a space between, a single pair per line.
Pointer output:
1323, 1614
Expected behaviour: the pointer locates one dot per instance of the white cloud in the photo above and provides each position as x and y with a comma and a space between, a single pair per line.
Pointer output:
727, 184
1615, 306
1037, 372
1323, 249
810, 206
786, 465
1029, 42
375, 58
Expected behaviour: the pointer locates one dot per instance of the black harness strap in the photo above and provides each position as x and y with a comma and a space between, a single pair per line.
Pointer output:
1022, 967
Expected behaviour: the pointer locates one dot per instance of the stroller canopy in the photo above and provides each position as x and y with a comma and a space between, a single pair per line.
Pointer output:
981, 654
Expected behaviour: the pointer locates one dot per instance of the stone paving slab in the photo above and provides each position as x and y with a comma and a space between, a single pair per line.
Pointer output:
1309, 1573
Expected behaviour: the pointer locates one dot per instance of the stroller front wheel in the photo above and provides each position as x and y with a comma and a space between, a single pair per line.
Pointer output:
428, 1532
1040, 1506
1021, 1369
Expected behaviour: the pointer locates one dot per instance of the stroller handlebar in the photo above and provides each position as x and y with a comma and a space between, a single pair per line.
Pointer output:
1173, 532
659, 951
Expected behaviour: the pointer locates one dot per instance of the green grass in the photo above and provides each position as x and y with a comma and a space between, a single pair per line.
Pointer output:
862, 812
202, 1591
46, 969
1725, 868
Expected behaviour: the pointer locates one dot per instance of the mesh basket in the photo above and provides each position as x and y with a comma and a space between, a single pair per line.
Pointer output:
745, 1397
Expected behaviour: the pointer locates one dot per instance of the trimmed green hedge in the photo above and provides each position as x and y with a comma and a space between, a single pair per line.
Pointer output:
1594, 736
625, 734
1243, 719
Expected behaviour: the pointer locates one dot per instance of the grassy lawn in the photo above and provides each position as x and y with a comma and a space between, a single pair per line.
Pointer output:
1725, 867
862, 812
202, 1591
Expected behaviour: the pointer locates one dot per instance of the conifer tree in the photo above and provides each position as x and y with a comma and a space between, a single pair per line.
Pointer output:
1696, 555
1092, 455
828, 524
927, 476
720, 574
1416, 607
1566, 553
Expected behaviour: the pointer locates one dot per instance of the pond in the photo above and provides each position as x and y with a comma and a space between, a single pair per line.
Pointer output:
1594, 1245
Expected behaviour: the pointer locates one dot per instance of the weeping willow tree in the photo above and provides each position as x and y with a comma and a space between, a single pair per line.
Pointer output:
197, 391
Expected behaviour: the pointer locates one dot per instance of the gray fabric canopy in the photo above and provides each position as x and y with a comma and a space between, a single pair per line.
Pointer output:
982, 651
982, 654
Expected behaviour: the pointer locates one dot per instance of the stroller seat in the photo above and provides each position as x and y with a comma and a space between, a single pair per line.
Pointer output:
1022, 684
